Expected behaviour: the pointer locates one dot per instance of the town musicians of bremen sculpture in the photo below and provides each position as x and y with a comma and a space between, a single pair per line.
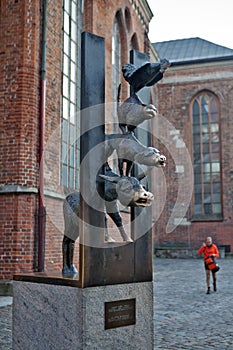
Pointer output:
123, 188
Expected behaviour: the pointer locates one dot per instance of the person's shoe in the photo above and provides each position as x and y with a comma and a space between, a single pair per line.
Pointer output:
215, 287
208, 290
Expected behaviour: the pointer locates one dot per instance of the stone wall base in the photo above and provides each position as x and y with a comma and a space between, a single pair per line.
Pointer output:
59, 317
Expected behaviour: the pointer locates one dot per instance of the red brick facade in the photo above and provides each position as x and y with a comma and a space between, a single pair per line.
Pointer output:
20, 58
175, 94
19, 131
131, 26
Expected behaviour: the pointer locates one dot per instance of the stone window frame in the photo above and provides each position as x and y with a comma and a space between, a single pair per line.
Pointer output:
116, 65
70, 94
206, 153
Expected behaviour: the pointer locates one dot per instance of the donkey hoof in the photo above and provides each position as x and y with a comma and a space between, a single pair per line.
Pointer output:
109, 239
128, 239
69, 271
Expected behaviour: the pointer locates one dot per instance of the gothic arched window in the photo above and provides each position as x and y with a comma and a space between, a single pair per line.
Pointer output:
116, 65
70, 99
134, 42
206, 157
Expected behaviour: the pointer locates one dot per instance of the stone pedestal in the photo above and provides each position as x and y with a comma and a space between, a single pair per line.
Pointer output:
60, 317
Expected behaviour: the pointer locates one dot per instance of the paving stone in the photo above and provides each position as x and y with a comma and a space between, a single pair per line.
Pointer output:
184, 316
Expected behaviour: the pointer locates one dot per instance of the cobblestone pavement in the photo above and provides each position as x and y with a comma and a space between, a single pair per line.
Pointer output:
5, 327
184, 316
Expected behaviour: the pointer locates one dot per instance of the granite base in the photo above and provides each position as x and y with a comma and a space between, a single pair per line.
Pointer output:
57, 317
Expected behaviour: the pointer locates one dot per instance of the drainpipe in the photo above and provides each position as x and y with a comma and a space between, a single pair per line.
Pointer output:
42, 209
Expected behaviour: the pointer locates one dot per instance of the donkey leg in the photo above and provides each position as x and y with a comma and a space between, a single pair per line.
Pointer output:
68, 255
121, 166
129, 165
107, 238
71, 265
117, 219
112, 210
65, 253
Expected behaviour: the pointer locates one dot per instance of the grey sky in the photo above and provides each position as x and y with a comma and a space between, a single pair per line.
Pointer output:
209, 20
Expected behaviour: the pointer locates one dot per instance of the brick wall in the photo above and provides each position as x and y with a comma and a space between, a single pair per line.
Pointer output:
99, 18
20, 55
175, 93
19, 83
19, 123
54, 234
20, 59
18, 230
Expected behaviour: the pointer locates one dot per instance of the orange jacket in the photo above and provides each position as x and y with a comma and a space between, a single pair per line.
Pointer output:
208, 251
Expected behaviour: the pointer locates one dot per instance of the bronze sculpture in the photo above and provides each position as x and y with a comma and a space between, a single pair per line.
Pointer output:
124, 188
133, 111
129, 149
148, 74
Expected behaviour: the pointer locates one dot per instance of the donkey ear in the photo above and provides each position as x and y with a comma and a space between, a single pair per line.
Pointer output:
114, 179
148, 153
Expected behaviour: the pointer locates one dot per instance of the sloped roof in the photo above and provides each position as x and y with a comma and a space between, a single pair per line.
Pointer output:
192, 50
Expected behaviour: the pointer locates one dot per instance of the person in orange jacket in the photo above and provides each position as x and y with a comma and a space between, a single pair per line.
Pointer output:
209, 250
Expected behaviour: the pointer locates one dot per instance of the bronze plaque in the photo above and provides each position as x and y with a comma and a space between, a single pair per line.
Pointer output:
120, 313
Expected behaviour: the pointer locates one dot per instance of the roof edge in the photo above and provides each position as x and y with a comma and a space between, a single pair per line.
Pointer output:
202, 60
